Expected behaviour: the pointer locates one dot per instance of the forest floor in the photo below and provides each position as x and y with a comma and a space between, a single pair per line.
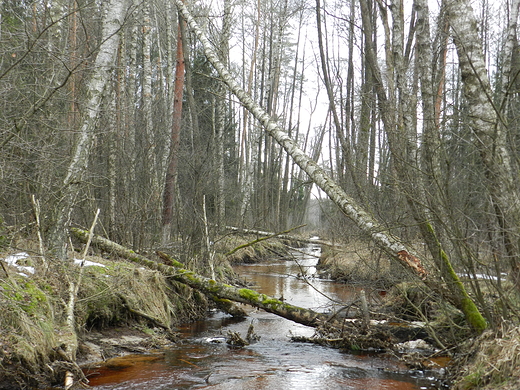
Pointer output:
122, 308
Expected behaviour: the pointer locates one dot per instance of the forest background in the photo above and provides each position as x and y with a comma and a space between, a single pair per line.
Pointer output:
409, 108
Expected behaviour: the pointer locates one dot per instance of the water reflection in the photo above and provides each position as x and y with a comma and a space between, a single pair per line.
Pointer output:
201, 362
294, 281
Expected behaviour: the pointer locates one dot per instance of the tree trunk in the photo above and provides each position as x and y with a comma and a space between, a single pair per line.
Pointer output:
222, 103
397, 127
222, 294
209, 286
391, 244
489, 127
171, 172
99, 80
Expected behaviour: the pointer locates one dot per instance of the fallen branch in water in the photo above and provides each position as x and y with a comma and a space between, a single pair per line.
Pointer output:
283, 235
266, 237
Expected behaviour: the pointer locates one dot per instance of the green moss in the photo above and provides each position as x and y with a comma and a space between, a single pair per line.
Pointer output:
273, 303
248, 294
473, 316
28, 295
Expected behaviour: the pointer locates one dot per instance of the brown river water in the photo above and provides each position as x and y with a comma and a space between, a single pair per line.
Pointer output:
202, 360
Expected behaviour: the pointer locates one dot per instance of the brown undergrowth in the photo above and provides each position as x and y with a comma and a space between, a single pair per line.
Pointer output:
491, 362
359, 263
245, 249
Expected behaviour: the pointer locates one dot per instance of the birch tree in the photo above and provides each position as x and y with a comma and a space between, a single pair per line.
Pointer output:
489, 124
73, 182
221, 116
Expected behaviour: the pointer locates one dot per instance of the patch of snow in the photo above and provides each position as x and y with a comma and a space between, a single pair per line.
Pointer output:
30, 270
412, 345
87, 263
12, 260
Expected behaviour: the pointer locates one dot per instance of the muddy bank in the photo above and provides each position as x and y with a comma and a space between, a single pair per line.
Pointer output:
119, 308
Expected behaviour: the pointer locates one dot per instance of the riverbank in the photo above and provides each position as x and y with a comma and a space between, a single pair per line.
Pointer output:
122, 308
486, 362
57, 314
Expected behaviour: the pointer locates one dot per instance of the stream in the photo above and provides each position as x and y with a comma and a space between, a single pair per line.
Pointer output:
203, 360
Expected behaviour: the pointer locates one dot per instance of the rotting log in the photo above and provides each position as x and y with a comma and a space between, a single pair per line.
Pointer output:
209, 286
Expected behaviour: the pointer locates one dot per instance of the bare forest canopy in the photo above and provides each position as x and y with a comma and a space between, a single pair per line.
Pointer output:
177, 119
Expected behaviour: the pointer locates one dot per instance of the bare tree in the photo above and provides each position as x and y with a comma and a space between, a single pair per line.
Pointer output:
73, 181
488, 123
171, 172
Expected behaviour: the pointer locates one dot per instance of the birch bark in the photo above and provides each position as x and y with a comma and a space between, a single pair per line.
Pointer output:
151, 154
489, 126
112, 22
221, 116
398, 128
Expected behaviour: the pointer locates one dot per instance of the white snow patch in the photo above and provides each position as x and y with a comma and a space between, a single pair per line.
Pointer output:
412, 345
87, 263
12, 260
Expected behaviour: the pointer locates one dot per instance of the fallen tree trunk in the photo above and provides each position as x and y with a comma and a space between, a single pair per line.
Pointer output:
209, 286
355, 334
452, 290
282, 236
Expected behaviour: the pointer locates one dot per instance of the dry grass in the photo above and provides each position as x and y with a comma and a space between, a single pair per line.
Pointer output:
493, 363
33, 307
359, 263
249, 252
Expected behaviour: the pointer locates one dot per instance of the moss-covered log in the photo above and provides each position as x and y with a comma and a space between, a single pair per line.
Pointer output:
209, 286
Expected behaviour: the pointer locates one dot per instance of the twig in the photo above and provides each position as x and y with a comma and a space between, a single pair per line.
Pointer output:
36, 205
91, 234
211, 253
5, 269
74, 287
